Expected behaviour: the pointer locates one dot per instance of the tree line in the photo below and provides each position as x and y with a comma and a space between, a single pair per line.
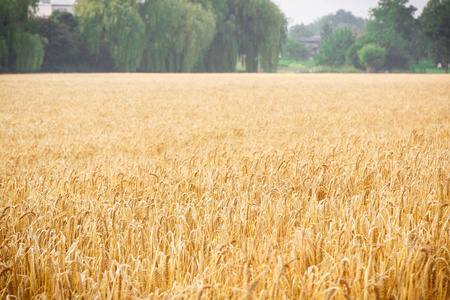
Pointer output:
146, 36
392, 39
213, 35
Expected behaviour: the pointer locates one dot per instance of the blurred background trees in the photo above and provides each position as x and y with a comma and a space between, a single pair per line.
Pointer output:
217, 36
296, 50
436, 28
147, 36
372, 56
405, 39
394, 28
334, 47
20, 49
184, 36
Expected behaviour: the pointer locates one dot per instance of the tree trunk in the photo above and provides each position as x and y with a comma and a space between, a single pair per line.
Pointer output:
370, 69
446, 67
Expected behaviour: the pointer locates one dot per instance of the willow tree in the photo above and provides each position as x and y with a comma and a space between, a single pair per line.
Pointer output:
253, 30
20, 50
178, 35
3, 52
29, 51
117, 24
275, 25
223, 53
263, 31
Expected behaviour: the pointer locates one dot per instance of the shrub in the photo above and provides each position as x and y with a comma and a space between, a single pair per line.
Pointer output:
372, 57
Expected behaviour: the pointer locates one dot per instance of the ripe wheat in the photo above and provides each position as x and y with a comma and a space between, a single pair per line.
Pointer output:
225, 186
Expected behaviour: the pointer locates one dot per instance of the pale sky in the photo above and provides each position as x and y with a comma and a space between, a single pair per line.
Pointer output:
307, 11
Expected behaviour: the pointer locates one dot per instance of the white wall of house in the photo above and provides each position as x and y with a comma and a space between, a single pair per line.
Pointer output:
45, 8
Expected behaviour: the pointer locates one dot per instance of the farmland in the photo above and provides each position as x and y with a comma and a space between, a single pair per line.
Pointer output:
136, 186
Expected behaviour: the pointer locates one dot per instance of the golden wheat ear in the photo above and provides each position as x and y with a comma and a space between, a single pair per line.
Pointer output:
224, 186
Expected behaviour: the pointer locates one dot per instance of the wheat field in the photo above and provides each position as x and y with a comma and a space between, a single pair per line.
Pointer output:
137, 186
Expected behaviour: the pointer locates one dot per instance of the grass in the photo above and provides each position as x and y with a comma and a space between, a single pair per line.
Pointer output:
287, 65
426, 66
285, 62
341, 69
135, 186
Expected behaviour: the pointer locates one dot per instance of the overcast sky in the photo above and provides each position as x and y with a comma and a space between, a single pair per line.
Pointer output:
307, 11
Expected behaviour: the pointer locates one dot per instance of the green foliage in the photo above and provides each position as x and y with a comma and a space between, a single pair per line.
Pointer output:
29, 50
270, 32
124, 35
436, 27
299, 31
333, 49
212, 36
295, 50
178, 35
339, 69
394, 14
252, 30
65, 19
351, 56
372, 56
326, 31
117, 24
345, 19
91, 14
15, 12
395, 29
426, 66
397, 56
341, 19
225, 44
316, 26
64, 45
184, 35
285, 62
20, 50
3, 54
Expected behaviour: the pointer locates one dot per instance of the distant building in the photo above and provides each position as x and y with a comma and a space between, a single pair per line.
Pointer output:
312, 43
45, 8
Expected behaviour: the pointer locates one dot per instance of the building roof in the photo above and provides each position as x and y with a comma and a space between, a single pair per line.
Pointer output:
313, 39
59, 2
64, 2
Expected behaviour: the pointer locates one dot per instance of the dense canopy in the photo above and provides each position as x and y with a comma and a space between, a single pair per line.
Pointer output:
184, 36
217, 36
